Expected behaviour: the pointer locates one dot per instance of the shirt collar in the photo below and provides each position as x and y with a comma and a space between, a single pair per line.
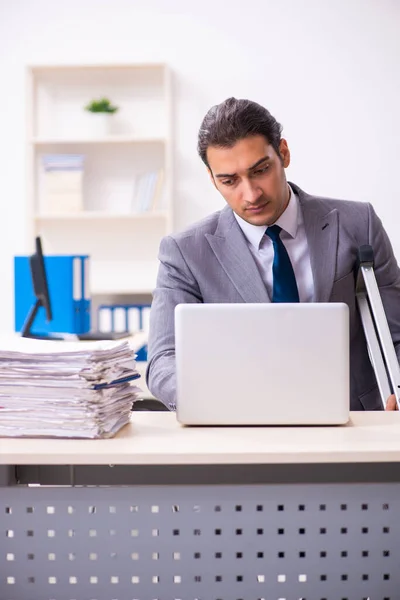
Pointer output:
288, 221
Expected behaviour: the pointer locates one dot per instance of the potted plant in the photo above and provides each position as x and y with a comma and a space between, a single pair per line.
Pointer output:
101, 113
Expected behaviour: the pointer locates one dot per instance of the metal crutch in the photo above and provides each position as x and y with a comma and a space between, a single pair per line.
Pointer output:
376, 329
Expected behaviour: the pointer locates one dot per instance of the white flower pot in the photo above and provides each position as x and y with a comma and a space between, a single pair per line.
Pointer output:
98, 124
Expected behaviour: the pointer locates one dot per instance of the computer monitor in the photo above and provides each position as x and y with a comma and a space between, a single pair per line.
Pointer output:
40, 288
41, 291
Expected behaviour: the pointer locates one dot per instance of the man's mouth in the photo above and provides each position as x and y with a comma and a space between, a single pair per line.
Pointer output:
257, 208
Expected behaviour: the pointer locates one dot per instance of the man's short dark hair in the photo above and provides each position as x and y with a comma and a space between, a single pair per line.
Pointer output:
233, 120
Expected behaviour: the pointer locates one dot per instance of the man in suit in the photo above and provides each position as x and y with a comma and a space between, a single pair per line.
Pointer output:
272, 242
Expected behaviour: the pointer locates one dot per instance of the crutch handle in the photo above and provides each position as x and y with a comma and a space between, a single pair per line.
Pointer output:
365, 256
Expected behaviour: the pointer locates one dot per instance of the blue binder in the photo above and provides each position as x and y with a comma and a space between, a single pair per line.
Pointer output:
81, 288
67, 278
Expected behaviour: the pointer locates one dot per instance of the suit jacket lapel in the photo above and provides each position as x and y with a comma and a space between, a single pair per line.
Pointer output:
321, 227
230, 247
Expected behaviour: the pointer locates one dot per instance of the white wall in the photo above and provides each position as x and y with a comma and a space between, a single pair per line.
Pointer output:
328, 70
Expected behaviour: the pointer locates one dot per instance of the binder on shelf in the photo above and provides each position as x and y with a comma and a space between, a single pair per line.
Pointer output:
67, 279
129, 318
145, 315
86, 307
133, 315
157, 197
104, 319
148, 192
119, 316
81, 292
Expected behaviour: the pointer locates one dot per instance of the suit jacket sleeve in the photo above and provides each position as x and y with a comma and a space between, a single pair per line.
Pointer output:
387, 274
175, 285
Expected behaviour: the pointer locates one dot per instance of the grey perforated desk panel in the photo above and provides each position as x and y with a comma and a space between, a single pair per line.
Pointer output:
163, 512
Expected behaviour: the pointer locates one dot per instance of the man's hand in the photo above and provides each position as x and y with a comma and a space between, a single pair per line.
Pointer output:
391, 404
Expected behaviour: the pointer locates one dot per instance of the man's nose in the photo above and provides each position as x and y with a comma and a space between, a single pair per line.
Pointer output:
251, 192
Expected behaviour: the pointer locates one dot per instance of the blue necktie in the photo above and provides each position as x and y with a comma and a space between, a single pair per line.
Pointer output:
284, 280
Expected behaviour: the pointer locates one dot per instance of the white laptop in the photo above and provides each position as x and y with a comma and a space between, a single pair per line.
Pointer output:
262, 364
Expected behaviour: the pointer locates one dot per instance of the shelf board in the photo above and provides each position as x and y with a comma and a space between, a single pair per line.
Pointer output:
112, 139
36, 69
120, 291
100, 215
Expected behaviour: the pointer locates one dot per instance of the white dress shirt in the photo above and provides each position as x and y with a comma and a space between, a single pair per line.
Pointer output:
293, 236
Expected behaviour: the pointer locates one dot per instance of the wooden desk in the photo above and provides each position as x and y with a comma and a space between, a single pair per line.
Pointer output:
164, 511
158, 439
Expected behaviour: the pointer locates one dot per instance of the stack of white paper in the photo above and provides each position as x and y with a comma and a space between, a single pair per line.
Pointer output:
65, 389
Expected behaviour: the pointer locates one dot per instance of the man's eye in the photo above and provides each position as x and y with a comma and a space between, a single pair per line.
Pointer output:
228, 181
261, 171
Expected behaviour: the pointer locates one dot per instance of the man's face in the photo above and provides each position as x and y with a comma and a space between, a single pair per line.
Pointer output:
251, 177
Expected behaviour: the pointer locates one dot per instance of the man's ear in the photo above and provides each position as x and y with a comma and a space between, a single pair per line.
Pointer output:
210, 173
284, 153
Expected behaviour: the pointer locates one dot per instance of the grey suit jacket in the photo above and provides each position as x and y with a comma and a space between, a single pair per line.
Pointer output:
211, 262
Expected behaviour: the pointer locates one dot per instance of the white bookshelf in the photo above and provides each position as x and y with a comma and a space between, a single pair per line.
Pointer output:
121, 240
88, 215
110, 139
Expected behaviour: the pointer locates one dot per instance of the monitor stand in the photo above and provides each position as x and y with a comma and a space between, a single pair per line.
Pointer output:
26, 328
